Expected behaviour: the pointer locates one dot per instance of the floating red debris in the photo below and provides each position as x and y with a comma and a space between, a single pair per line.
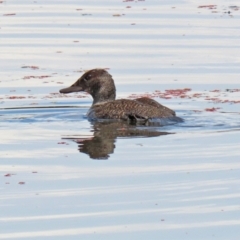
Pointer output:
16, 97
211, 109
9, 14
8, 175
178, 92
197, 95
185, 93
208, 6
21, 183
128, 6
39, 77
32, 67
62, 143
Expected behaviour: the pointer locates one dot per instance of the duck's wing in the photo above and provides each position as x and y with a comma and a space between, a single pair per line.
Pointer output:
151, 102
128, 110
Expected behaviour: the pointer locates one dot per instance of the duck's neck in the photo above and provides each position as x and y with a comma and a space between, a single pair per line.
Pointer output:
104, 94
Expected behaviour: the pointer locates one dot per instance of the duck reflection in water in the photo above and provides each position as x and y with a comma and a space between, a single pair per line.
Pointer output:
105, 133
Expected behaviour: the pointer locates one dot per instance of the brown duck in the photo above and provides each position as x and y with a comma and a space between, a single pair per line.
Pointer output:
100, 85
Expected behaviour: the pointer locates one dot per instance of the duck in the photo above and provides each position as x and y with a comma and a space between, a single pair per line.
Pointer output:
100, 85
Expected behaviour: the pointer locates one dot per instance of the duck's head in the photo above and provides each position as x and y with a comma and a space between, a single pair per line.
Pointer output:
97, 82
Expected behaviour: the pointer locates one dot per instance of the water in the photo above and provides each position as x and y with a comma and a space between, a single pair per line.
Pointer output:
117, 179
63, 177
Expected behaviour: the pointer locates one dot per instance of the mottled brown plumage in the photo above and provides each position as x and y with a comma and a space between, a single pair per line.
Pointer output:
99, 83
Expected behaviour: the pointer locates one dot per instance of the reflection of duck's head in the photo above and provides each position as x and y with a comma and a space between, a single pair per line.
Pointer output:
102, 144
97, 82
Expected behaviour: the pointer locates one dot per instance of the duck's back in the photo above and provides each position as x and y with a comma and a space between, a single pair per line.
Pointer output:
156, 104
126, 109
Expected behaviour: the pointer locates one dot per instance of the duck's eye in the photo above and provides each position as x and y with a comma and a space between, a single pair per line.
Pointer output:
87, 78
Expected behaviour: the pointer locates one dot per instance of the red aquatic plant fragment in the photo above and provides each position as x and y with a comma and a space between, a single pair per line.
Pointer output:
197, 95
16, 97
9, 14
168, 94
208, 6
32, 67
211, 109
39, 77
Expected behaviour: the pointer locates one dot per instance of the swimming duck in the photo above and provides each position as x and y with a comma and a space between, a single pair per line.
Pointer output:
100, 85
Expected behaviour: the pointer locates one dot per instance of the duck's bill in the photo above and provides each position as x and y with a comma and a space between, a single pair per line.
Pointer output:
71, 89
